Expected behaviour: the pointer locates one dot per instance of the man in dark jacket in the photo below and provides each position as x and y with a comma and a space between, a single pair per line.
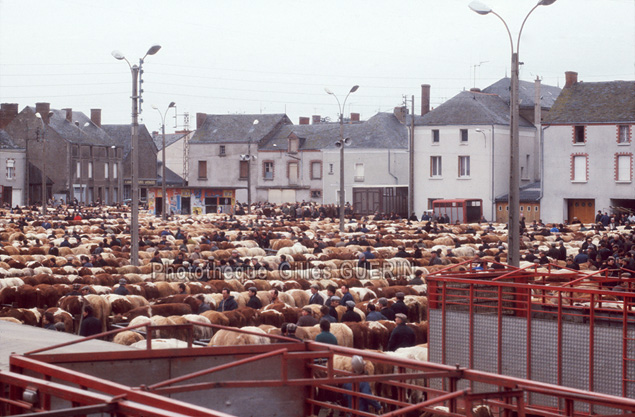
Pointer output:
374, 315
90, 324
385, 310
306, 318
121, 289
402, 335
254, 301
227, 303
315, 298
399, 306
351, 314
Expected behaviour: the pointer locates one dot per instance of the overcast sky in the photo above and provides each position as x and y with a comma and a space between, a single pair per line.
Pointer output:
277, 56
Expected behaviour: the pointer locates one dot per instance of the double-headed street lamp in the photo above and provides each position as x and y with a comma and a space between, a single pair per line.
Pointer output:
249, 157
164, 204
513, 225
341, 144
136, 98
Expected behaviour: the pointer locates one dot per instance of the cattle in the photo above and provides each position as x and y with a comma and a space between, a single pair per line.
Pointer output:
231, 338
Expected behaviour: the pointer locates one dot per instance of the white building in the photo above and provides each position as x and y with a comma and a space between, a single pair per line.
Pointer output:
12, 171
588, 150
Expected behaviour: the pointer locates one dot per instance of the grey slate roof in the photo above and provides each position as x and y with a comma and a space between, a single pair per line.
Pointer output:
224, 128
548, 93
6, 142
601, 102
381, 131
170, 138
122, 135
472, 108
172, 177
529, 193
85, 132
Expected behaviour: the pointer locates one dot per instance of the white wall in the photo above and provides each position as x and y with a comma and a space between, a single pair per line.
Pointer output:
18, 181
601, 146
382, 167
489, 164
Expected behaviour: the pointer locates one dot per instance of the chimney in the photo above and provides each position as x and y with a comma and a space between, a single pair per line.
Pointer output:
400, 113
354, 117
69, 114
44, 110
95, 117
200, 119
475, 90
571, 78
425, 98
155, 133
316, 119
8, 111
305, 120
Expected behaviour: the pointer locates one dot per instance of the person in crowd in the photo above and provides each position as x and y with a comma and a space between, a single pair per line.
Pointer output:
306, 317
358, 365
402, 335
325, 335
90, 324
228, 303
121, 289
373, 314
315, 298
385, 310
351, 314
254, 302
399, 306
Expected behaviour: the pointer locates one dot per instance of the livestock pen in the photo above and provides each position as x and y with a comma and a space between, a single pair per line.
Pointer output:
544, 323
277, 379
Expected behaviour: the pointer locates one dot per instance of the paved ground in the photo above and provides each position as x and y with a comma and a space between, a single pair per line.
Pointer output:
17, 338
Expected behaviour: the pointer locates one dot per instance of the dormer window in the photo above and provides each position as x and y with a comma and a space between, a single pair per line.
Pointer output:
293, 145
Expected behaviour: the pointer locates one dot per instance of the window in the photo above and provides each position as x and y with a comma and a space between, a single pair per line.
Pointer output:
106, 166
579, 168
359, 172
524, 174
435, 166
316, 193
330, 169
435, 136
10, 169
267, 169
316, 170
221, 150
243, 170
464, 166
463, 135
78, 170
202, 170
623, 134
293, 145
114, 170
90, 170
579, 134
623, 168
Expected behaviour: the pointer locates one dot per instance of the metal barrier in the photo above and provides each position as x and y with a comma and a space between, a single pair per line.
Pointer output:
401, 386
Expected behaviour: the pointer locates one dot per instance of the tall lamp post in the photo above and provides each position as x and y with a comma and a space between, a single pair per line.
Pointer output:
48, 117
513, 225
249, 158
136, 97
164, 204
341, 144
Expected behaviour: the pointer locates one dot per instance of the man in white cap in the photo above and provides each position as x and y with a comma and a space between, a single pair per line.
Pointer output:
402, 335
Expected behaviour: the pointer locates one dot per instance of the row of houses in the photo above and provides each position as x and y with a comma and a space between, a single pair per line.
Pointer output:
575, 155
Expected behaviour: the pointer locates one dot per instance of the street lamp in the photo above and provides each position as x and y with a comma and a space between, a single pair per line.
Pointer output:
136, 98
39, 116
249, 157
513, 225
341, 144
163, 181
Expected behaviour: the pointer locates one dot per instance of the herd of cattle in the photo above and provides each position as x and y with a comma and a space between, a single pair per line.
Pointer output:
35, 280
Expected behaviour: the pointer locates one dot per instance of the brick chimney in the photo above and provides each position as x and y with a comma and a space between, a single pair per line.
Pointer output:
475, 90
69, 114
305, 120
354, 117
425, 98
400, 113
571, 78
8, 111
95, 117
316, 118
44, 109
200, 119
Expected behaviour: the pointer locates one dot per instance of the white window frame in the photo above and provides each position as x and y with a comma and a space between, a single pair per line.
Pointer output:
436, 166
359, 172
10, 168
623, 134
78, 169
465, 136
436, 136
316, 170
114, 170
623, 168
464, 166
268, 173
106, 170
90, 169
580, 168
